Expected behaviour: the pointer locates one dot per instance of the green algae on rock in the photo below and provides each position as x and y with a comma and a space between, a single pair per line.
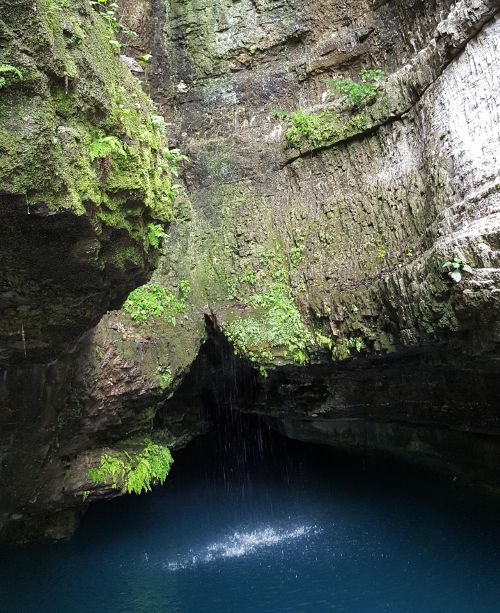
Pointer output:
85, 174
75, 93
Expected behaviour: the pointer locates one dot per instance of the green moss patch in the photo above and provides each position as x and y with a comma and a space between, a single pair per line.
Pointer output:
273, 327
322, 128
76, 131
152, 300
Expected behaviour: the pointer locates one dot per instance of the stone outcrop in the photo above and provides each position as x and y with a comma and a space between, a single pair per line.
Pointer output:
83, 183
82, 176
323, 266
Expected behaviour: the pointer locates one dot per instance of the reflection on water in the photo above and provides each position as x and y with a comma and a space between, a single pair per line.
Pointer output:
293, 529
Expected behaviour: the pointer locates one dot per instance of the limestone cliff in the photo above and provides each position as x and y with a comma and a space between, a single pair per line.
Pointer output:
85, 190
334, 254
353, 235
321, 260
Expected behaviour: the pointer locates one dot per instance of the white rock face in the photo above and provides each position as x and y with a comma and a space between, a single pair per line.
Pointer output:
462, 117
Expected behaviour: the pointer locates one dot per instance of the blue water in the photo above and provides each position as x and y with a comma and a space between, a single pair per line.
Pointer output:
302, 530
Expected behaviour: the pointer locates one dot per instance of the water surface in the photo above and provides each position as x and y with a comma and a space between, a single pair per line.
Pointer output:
294, 528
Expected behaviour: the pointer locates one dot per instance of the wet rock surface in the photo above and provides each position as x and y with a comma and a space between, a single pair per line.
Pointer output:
373, 218
73, 234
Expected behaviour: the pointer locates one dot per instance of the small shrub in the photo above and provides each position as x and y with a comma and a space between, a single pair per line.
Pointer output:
454, 269
357, 93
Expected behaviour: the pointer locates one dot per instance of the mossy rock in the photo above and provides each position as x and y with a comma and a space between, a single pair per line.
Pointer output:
75, 214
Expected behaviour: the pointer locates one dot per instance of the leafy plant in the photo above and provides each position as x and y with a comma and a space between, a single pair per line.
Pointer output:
102, 146
133, 472
173, 157
155, 234
342, 351
357, 93
8, 69
164, 376
158, 123
455, 268
152, 300
323, 341
108, 12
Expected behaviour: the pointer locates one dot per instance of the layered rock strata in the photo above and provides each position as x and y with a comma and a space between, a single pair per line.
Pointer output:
323, 265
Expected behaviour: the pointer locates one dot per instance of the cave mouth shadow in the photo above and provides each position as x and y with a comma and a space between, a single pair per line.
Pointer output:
228, 395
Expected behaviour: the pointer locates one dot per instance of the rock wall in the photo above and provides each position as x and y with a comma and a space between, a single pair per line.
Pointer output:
333, 255
83, 180
82, 176
355, 232
321, 266
375, 216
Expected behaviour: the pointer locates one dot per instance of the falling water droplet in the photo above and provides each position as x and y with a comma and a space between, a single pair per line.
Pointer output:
23, 337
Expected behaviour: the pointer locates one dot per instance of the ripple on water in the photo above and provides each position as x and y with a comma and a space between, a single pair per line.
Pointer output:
240, 544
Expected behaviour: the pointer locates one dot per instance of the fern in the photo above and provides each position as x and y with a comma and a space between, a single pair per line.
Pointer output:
103, 145
173, 157
155, 234
110, 469
136, 472
9, 70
